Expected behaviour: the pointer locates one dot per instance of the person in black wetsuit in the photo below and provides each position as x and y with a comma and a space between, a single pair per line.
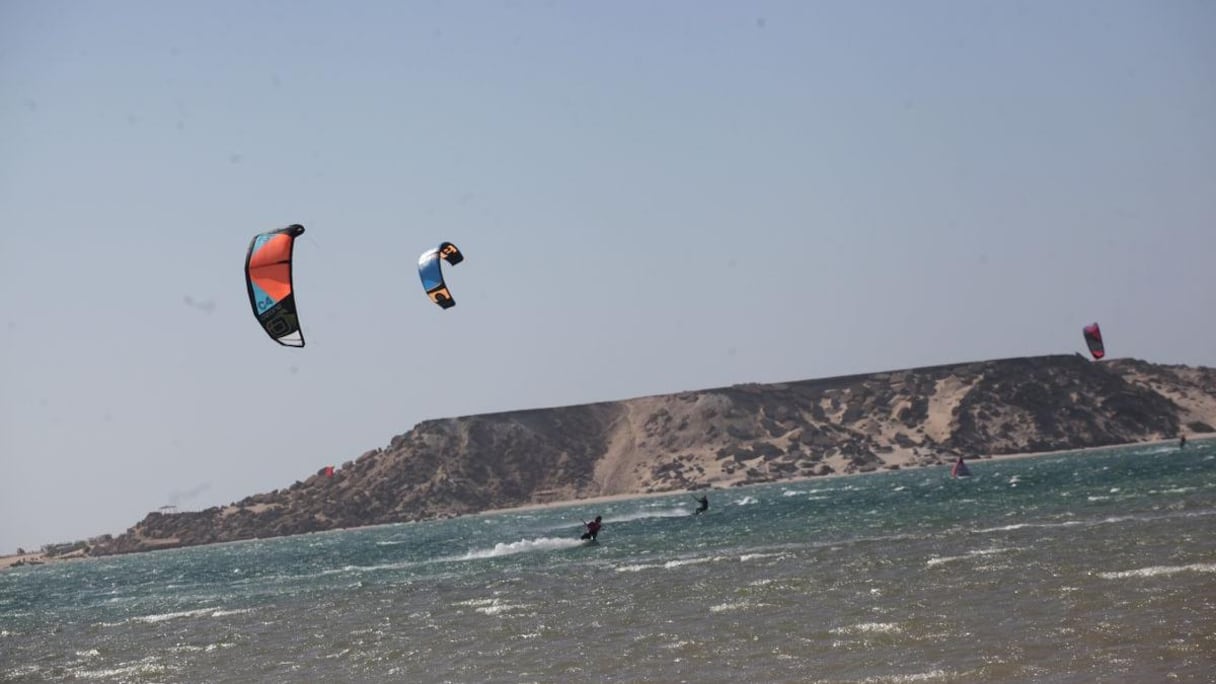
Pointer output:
593, 528
703, 500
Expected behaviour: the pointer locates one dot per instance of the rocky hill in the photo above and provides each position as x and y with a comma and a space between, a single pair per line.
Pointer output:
721, 437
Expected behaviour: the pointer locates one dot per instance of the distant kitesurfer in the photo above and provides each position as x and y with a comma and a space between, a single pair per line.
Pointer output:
1181, 441
703, 500
593, 528
960, 469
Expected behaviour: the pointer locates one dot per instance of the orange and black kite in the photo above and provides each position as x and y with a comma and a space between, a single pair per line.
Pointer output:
268, 278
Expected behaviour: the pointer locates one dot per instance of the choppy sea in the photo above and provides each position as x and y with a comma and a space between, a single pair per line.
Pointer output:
1085, 567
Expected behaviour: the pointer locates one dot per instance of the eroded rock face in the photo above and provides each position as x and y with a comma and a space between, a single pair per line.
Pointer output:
718, 437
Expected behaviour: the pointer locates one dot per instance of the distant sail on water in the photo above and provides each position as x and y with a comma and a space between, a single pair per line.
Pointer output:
1093, 340
960, 469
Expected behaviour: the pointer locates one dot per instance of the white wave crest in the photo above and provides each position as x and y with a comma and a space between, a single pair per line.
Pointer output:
638, 567
1158, 570
737, 605
677, 512
198, 612
522, 546
869, 628
939, 560
754, 556
932, 675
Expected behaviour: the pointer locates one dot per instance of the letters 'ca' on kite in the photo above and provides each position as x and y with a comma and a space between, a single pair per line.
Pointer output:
268, 278
1093, 339
431, 272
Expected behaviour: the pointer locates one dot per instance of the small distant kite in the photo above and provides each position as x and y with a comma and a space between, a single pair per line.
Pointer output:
268, 279
431, 272
1093, 339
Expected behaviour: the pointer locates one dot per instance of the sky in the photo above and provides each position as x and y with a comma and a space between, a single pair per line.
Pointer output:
651, 197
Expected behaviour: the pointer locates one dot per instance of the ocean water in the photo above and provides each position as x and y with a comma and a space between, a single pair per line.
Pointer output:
1088, 567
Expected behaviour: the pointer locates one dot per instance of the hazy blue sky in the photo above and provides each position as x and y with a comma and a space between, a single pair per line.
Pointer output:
651, 197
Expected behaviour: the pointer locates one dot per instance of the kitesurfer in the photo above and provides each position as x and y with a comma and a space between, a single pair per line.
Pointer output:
703, 506
1181, 441
593, 528
960, 469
